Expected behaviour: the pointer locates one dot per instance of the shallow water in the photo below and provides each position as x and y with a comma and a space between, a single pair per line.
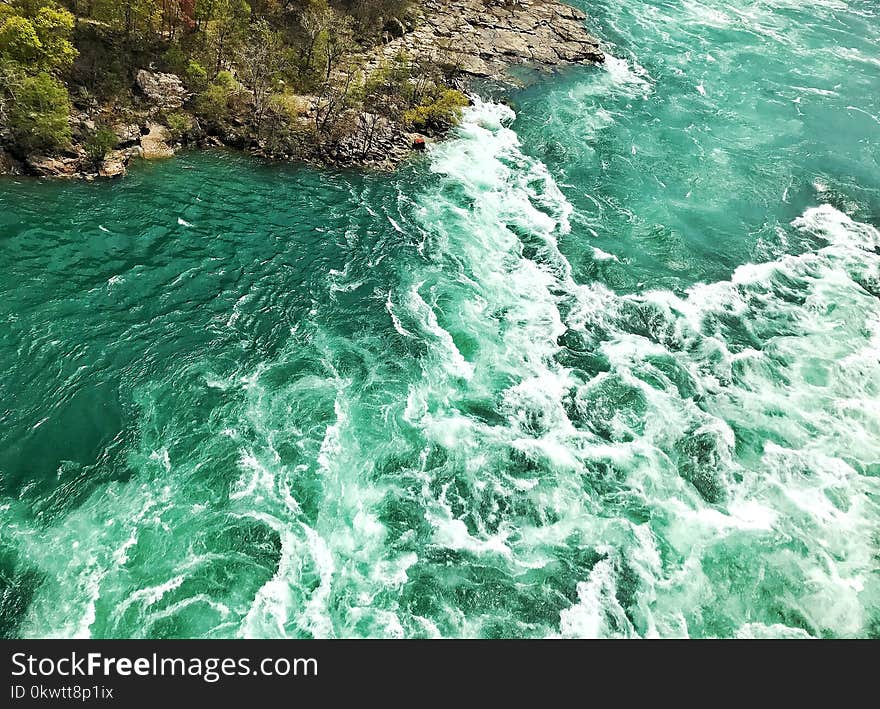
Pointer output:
605, 364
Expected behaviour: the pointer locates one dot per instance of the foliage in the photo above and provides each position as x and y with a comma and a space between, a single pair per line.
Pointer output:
178, 124
438, 112
54, 27
37, 115
38, 43
241, 59
100, 142
213, 103
135, 20
195, 76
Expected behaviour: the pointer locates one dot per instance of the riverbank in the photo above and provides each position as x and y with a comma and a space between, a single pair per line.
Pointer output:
446, 45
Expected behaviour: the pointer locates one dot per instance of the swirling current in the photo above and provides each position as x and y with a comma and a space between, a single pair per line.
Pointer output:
606, 363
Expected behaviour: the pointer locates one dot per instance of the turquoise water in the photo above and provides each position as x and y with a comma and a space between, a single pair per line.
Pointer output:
605, 364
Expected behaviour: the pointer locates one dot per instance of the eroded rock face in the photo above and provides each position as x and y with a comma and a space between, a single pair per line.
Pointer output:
127, 133
114, 164
47, 166
155, 143
166, 91
8, 164
483, 38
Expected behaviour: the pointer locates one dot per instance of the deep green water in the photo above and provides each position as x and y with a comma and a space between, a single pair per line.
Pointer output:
606, 367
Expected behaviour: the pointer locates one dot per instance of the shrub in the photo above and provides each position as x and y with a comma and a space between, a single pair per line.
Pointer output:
99, 143
174, 59
19, 41
226, 80
178, 124
39, 44
195, 76
437, 112
213, 103
54, 27
38, 116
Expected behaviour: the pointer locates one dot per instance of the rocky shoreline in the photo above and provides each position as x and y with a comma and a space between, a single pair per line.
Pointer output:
470, 39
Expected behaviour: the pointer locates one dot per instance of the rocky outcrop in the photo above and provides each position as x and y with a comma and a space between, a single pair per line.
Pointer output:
50, 166
114, 163
155, 143
483, 38
467, 38
8, 164
127, 133
372, 141
165, 91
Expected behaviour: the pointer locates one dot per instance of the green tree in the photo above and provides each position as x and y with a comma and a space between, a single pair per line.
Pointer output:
228, 30
54, 27
19, 41
40, 43
259, 62
438, 112
37, 113
100, 142
134, 19
213, 103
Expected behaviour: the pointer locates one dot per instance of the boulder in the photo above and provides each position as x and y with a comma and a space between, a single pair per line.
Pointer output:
155, 143
47, 166
127, 133
164, 90
8, 164
114, 164
394, 28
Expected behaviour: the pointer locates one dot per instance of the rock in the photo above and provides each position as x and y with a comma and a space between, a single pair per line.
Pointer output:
47, 166
164, 90
394, 28
483, 39
114, 164
155, 143
8, 164
127, 133
194, 132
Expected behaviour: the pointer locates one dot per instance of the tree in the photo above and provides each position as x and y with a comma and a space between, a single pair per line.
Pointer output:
438, 111
54, 27
34, 48
39, 43
229, 28
37, 114
213, 103
19, 41
134, 19
259, 62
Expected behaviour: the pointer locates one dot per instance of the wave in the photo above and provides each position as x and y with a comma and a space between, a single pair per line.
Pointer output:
517, 454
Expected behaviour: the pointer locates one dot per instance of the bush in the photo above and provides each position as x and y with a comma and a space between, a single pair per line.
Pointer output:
39, 44
438, 112
226, 80
55, 28
178, 124
19, 41
99, 143
174, 59
213, 103
195, 76
38, 116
